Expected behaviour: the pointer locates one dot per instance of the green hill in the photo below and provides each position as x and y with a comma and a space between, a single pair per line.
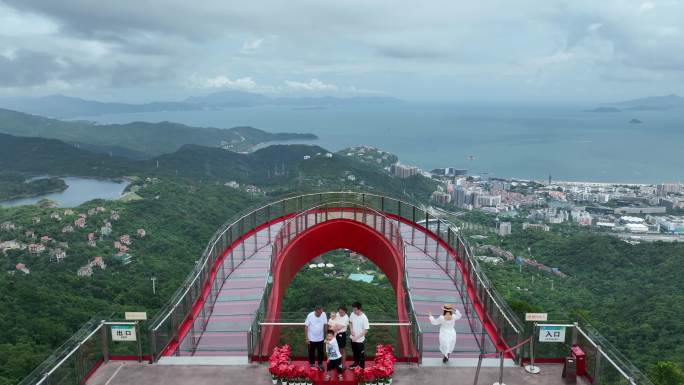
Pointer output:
277, 169
150, 139
51, 156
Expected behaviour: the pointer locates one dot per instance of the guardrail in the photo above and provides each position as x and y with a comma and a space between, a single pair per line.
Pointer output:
603, 363
190, 306
189, 309
83, 353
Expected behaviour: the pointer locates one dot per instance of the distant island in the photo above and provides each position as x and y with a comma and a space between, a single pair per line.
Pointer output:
653, 103
603, 109
635, 121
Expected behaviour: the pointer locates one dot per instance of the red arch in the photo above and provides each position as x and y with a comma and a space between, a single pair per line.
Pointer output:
331, 235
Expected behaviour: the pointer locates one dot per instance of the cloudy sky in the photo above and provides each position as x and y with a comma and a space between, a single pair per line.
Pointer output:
542, 50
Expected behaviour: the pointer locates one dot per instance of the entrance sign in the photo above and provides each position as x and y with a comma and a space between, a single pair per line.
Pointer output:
138, 316
123, 333
536, 316
551, 333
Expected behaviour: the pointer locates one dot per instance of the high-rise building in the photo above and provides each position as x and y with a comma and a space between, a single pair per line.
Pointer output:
504, 228
669, 188
441, 198
459, 196
403, 171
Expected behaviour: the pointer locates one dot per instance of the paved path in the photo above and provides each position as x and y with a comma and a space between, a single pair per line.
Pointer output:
434, 280
127, 373
237, 301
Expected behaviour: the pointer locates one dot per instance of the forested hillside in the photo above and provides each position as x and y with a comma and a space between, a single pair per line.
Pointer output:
633, 294
143, 138
43, 308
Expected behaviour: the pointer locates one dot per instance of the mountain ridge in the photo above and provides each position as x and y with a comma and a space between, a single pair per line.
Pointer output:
144, 139
652, 103
62, 106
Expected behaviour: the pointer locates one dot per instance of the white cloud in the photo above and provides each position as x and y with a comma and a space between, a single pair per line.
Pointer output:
251, 47
647, 6
222, 81
313, 85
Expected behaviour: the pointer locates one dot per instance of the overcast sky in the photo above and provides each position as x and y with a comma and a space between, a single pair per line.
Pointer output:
543, 50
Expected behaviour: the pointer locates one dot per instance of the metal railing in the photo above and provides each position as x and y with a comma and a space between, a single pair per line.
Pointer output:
291, 332
603, 362
84, 352
71, 362
202, 287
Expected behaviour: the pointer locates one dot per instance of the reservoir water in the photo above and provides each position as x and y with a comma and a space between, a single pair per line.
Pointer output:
79, 190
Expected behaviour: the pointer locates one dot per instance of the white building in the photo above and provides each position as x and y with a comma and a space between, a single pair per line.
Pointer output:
441, 198
636, 228
629, 219
504, 228
85, 271
58, 255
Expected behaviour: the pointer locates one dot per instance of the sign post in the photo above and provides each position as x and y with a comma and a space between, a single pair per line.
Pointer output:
127, 332
531, 367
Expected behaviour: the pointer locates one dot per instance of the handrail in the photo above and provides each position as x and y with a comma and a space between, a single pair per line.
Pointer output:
487, 284
48, 369
302, 323
74, 350
232, 231
247, 220
599, 349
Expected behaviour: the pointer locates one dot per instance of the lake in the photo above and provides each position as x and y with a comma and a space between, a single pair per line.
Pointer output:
523, 141
79, 190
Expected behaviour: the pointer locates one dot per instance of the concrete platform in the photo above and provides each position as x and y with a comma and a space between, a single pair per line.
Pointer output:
127, 373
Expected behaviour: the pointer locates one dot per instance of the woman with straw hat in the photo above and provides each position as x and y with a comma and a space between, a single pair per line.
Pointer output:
447, 331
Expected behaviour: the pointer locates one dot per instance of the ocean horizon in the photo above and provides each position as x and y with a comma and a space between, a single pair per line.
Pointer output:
495, 140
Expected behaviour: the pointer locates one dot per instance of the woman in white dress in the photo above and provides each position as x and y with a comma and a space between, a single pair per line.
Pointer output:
447, 330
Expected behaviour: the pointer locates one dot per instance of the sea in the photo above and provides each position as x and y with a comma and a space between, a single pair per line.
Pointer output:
490, 140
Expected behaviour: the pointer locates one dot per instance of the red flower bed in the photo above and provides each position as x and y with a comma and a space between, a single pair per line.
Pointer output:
382, 369
281, 368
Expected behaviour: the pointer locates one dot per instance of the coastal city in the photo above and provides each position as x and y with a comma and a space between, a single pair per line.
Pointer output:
637, 212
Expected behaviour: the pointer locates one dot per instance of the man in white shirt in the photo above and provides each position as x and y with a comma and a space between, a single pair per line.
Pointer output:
358, 323
315, 327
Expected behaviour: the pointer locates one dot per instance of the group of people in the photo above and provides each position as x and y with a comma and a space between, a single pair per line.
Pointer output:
331, 335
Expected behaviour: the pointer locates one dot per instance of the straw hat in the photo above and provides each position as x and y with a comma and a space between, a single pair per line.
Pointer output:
448, 307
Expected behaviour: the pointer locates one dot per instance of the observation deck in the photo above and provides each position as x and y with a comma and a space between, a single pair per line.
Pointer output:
226, 317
